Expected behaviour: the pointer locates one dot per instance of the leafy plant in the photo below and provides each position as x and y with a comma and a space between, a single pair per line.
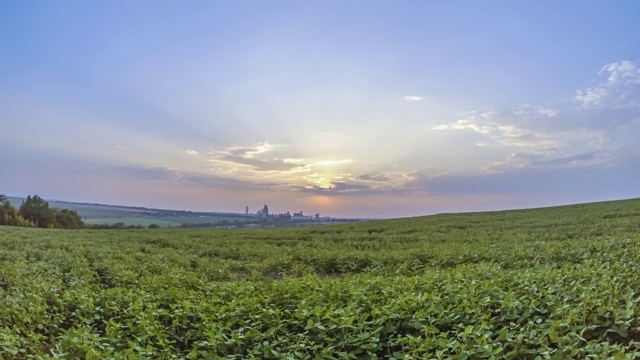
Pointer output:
551, 283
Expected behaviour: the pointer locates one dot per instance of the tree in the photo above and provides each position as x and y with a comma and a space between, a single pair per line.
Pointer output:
67, 219
8, 213
36, 210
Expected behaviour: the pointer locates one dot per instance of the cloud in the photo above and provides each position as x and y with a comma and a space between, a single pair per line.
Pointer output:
250, 151
378, 178
529, 136
530, 110
253, 157
509, 129
338, 187
480, 122
620, 89
529, 160
413, 98
520, 121
191, 152
258, 164
389, 183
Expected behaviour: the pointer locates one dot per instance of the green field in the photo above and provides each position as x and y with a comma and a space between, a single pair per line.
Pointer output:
146, 220
98, 214
553, 283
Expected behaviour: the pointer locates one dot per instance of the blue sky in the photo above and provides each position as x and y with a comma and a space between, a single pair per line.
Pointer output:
347, 108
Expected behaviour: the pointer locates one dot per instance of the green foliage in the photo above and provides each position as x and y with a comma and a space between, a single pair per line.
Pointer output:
556, 283
9, 214
35, 212
67, 219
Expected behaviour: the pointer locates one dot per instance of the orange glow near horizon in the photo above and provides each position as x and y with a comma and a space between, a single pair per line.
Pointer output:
322, 200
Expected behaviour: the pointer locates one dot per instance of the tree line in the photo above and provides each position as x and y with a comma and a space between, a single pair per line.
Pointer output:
120, 226
35, 212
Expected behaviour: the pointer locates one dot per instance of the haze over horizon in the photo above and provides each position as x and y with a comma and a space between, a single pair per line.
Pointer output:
346, 108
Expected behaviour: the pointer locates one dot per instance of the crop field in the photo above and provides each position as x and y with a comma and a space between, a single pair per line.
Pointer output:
552, 283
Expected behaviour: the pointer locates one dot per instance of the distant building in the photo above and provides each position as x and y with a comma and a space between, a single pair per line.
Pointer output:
246, 210
264, 212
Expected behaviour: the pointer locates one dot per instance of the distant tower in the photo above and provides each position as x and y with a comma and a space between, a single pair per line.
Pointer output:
246, 210
265, 211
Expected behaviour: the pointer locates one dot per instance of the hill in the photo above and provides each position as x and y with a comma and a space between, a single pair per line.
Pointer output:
96, 214
557, 282
135, 216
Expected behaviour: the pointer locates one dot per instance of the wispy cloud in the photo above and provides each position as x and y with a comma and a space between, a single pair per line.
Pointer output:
191, 152
250, 151
377, 178
480, 122
254, 158
620, 89
528, 110
530, 160
413, 98
273, 164
508, 129
338, 187
540, 137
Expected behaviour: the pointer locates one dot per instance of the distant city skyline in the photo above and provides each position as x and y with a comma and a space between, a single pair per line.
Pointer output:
370, 109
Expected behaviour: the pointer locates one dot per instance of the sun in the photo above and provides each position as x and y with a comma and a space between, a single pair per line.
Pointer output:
321, 202
319, 180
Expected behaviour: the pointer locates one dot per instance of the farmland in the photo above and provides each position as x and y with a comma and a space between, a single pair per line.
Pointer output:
98, 214
552, 283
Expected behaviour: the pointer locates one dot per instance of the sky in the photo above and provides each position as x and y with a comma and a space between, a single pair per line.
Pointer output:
344, 108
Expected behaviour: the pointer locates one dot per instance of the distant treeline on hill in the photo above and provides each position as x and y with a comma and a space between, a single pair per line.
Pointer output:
120, 225
35, 212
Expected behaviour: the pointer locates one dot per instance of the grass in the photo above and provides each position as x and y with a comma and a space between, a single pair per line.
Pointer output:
557, 282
